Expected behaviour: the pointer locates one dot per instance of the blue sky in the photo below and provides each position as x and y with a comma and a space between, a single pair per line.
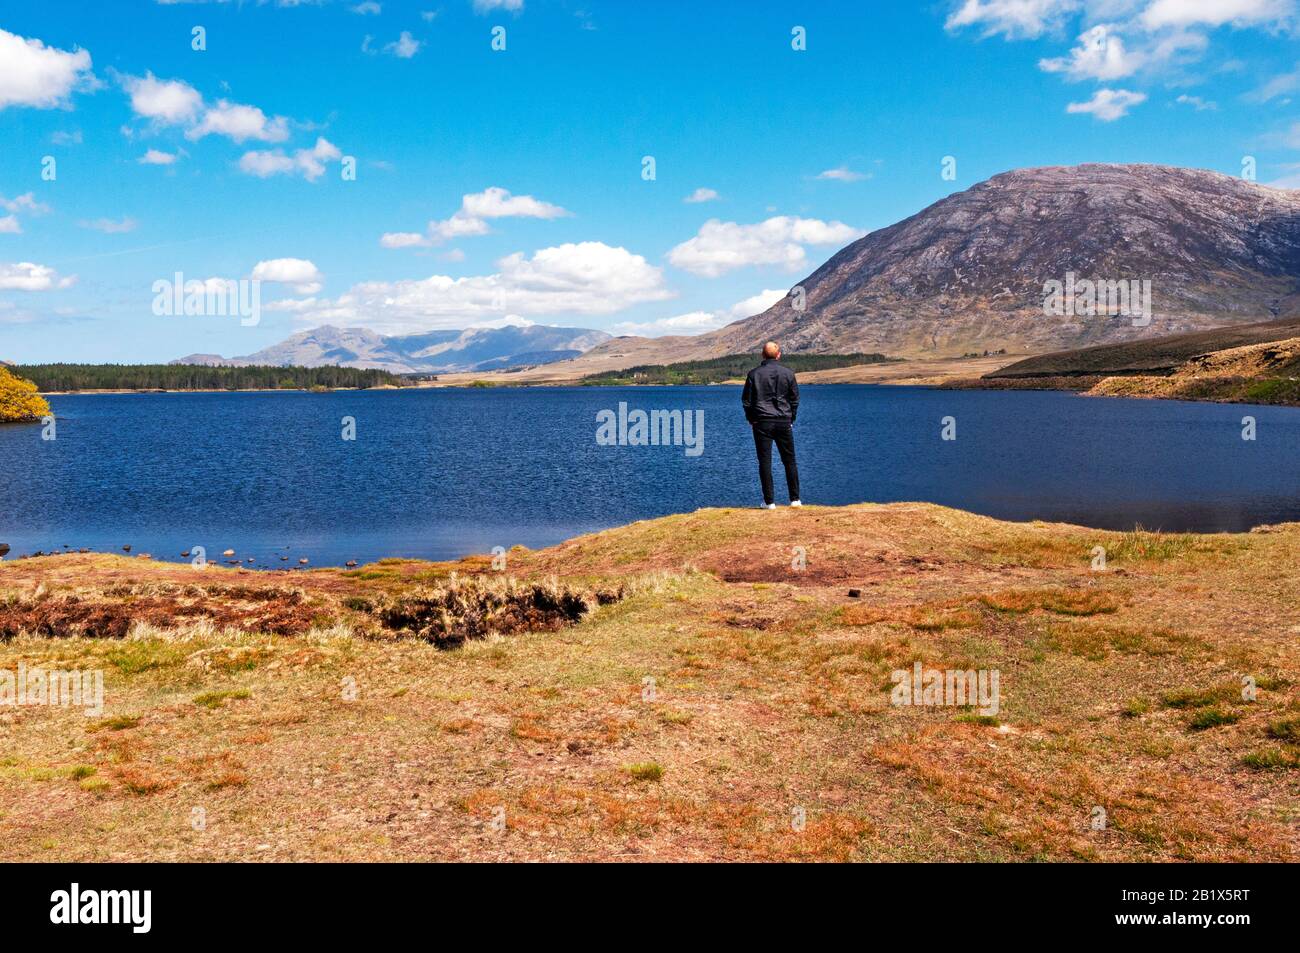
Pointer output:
508, 185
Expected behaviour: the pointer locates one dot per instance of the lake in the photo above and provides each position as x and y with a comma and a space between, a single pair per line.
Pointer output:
441, 473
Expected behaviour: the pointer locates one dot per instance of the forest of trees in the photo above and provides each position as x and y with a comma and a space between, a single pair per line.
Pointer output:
731, 367
70, 377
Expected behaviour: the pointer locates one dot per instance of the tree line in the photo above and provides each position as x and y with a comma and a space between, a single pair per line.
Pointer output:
73, 377
719, 369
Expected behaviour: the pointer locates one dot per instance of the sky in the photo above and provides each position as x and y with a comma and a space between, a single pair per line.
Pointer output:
633, 167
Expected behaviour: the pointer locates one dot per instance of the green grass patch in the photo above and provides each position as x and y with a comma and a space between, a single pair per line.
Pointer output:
645, 771
1286, 729
1272, 759
217, 699
135, 656
114, 723
1212, 718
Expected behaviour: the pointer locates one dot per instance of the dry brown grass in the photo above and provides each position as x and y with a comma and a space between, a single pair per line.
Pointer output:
727, 707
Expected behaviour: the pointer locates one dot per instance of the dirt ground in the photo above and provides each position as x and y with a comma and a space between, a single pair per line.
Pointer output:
698, 687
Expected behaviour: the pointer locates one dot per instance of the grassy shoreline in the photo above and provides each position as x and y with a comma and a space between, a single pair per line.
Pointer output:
708, 689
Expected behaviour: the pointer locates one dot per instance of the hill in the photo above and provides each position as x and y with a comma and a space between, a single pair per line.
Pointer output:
432, 352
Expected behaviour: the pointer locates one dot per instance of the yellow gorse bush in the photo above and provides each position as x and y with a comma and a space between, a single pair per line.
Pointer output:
19, 399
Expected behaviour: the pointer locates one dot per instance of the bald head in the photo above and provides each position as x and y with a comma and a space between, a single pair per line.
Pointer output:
772, 350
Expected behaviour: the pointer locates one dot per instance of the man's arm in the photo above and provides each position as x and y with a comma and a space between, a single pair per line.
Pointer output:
794, 397
747, 397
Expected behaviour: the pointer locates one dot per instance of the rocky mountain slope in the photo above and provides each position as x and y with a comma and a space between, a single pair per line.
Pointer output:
434, 352
968, 273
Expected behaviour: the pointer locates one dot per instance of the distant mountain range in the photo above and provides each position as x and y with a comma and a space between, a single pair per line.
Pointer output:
967, 274
432, 352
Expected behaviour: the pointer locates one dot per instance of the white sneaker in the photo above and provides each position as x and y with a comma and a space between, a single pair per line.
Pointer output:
795, 503
767, 506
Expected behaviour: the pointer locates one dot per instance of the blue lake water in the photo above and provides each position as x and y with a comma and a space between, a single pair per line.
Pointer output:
442, 473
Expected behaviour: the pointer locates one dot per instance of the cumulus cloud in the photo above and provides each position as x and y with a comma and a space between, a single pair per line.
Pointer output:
25, 204
168, 101
299, 273
843, 174
39, 76
174, 102
698, 322
1124, 38
1011, 18
1163, 13
720, 247
473, 216
309, 163
577, 278
1108, 104
1196, 102
404, 240
487, 6
27, 276
702, 195
404, 47
157, 157
110, 226
239, 123
1100, 55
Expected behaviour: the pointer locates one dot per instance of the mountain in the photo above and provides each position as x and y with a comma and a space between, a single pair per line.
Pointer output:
432, 352
968, 273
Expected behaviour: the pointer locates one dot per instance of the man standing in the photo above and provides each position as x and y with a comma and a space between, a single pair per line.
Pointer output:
771, 402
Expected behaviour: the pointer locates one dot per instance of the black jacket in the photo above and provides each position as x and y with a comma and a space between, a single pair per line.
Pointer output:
771, 393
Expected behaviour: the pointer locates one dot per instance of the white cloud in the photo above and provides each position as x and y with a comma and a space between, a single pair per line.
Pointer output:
1100, 55
487, 6
62, 138
1163, 13
843, 174
40, 76
1108, 105
1279, 85
724, 246
404, 240
496, 202
108, 226
1196, 102
404, 47
1290, 178
702, 195
693, 322
757, 304
25, 203
301, 274
698, 322
26, 276
476, 209
364, 8
169, 101
582, 278
309, 163
1011, 18
157, 157
240, 123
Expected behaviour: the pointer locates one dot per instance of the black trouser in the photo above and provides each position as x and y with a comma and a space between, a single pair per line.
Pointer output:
766, 431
